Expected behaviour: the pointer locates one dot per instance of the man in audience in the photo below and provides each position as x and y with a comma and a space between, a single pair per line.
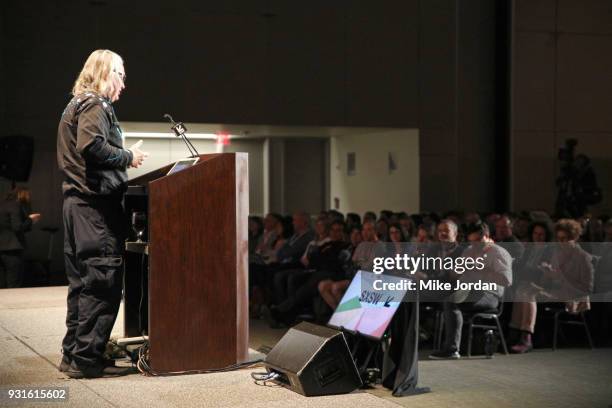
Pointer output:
371, 247
352, 220
267, 240
505, 238
325, 263
369, 216
290, 253
281, 278
407, 225
446, 247
497, 269
261, 274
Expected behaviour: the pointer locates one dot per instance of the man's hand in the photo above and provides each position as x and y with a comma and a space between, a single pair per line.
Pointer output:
138, 155
35, 217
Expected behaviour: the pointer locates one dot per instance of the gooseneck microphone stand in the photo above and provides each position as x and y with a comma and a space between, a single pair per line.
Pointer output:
179, 130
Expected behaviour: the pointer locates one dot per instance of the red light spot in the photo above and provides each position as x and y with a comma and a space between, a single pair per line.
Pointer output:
223, 139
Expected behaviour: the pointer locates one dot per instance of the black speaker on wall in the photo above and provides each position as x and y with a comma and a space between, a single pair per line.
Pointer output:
313, 360
16, 155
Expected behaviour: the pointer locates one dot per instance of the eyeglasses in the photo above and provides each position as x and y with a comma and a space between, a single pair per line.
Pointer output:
121, 75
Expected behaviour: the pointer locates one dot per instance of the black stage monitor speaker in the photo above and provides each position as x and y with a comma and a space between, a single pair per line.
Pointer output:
313, 360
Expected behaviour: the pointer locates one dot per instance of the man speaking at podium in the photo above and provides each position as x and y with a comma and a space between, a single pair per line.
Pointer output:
91, 156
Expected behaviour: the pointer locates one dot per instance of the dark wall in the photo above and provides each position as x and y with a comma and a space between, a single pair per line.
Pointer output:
323, 63
457, 97
395, 63
562, 88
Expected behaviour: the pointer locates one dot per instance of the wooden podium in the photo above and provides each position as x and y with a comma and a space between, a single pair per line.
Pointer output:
188, 288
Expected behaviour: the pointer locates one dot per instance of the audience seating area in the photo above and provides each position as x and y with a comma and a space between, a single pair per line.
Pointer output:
301, 264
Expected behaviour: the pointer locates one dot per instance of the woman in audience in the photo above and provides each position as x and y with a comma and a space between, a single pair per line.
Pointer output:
268, 238
355, 237
567, 277
284, 231
332, 290
255, 232
382, 230
423, 238
397, 239
526, 272
424, 234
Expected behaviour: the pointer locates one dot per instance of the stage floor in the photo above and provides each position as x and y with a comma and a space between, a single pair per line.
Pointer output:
32, 326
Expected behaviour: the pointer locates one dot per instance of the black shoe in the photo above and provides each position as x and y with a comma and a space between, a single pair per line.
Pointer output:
445, 355
98, 371
64, 365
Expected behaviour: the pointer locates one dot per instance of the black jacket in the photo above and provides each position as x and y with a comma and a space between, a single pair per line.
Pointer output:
327, 257
14, 223
90, 149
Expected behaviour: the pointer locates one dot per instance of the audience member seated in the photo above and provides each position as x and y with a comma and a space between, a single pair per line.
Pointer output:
352, 220
332, 289
527, 271
397, 238
334, 215
567, 277
446, 247
408, 228
256, 229
423, 238
281, 277
369, 216
324, 263
286, 253
423, 235
505, 238
497, 269
382, 229
265, 254
268, 244
520, 228
293, 249
355, 238
385, 215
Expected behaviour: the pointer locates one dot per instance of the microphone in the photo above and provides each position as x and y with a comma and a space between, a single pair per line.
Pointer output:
179, 130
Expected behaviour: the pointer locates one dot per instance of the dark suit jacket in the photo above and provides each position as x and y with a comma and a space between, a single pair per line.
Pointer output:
14, 223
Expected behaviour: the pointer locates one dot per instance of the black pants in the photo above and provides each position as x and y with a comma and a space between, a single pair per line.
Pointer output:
11, 272
284, 281
305, 292
93, 247
453, 316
